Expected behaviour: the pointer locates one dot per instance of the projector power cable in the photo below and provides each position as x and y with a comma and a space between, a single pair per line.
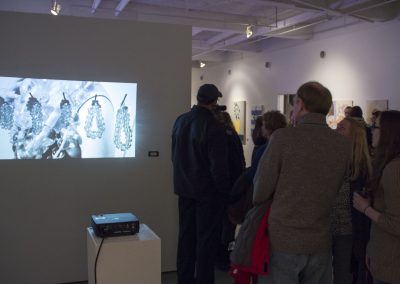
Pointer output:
95, 262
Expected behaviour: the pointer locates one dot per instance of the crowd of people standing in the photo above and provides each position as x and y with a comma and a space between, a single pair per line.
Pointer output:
333, 196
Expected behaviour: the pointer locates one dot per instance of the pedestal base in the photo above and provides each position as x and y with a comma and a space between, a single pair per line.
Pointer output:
125, 260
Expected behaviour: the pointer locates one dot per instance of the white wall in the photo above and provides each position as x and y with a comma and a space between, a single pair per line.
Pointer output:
361, 63
45, 205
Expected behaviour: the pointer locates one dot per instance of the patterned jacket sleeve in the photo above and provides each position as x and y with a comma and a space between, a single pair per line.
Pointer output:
341, 211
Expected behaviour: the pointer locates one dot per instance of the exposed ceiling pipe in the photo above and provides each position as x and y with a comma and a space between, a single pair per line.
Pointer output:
273, 34
216, 18
284, 24
121, 6
350, 3
95, 5
274, 4
293, 29
331, 11
373, 6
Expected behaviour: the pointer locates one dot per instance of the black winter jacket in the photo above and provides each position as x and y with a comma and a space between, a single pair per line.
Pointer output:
199, 155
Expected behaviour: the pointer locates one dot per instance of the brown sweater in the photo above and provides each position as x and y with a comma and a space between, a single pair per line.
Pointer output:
302, 171
384, 245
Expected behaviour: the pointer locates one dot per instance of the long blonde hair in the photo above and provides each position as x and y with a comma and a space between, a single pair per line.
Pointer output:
360, 157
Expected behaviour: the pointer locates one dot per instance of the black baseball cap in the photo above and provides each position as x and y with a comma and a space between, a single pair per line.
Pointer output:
208, 93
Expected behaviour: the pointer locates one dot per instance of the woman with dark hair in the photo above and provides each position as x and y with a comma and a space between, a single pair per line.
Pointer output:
257, 136
237, 165
374, 115
357, 114
271, 121
383, 251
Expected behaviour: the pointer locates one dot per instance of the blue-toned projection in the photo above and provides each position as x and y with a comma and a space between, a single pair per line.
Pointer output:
56, 119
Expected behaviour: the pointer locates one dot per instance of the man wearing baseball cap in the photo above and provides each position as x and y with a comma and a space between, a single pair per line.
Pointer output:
201, 181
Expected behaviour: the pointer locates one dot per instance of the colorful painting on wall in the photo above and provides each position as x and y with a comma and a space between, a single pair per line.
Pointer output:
256, 111
337, 112
238, 114
374, 105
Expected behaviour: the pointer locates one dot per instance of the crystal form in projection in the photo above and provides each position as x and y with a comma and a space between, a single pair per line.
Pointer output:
35, 109
94, 115
6, 114
122, 128
66, 111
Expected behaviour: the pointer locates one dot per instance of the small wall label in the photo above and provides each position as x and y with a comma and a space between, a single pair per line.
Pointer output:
154, 154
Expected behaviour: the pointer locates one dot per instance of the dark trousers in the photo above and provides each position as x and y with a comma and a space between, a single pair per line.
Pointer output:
342, 248
380, 282
199, 238
361, 274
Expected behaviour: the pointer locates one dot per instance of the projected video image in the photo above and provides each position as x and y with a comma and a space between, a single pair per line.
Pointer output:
59, 119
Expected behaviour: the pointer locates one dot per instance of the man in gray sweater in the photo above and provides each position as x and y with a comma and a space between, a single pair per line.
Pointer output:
302, 171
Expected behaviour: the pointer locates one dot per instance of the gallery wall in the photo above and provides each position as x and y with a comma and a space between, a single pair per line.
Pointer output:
45, 205
361, 64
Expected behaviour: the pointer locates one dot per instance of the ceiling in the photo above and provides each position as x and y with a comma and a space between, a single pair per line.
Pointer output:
219, 26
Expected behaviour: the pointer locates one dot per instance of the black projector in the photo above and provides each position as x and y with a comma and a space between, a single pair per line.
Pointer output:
113, 225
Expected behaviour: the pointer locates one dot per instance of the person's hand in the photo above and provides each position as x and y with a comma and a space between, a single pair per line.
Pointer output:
360, 203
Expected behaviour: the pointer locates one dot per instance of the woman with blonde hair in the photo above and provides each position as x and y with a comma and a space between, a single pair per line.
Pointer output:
361, 160
350, 245
383, 251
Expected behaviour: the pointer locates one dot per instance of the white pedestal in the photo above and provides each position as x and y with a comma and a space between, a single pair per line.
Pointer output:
127, 259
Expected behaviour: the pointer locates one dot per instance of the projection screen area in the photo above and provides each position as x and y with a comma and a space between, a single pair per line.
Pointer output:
55, 119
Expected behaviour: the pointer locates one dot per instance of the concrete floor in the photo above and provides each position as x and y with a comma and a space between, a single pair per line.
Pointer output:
221, 277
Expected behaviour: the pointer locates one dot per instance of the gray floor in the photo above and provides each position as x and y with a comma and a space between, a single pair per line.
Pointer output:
220, 277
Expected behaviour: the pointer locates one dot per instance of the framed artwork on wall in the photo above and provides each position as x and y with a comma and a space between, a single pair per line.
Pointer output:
288, 104
336, 114
256, 111
238, 115
374, 105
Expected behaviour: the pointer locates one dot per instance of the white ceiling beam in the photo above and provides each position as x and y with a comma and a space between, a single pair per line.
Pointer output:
196, 30
204, 23
120, 7
214, 21
367, 7
276, 4
295, 20
95, 5
221, 46
300, 36
332, 11
200, 44
214, 57
351, 3
197, 18
381, 12
219, 37
282, 26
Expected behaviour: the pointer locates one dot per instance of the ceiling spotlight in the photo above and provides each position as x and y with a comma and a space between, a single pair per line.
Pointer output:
55, 8
249, 31
202, 64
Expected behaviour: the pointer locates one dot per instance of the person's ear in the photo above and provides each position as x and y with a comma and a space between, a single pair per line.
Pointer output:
302, 107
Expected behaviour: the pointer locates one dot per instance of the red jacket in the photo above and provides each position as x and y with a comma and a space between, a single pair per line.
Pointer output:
259, 256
